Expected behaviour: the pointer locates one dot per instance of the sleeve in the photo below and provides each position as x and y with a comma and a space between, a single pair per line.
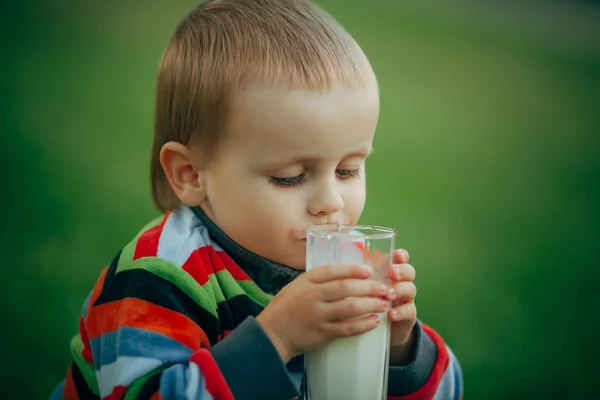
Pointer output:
147, 333
434, 371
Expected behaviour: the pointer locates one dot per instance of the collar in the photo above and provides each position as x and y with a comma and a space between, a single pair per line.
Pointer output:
269, 275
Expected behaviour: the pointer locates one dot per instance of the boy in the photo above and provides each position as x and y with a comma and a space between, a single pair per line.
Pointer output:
265, 113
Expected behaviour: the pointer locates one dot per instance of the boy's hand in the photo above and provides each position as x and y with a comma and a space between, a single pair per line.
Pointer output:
403, 314
315, 308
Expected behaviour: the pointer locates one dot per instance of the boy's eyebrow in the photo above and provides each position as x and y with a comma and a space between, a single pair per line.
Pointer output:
363, 154
300, 158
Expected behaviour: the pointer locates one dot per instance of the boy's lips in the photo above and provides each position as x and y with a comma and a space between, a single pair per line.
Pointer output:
303, 236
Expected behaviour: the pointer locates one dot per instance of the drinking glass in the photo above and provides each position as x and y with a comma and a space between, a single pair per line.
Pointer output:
353, 368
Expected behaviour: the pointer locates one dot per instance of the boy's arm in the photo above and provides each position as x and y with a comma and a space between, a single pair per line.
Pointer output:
145, 335
434, 371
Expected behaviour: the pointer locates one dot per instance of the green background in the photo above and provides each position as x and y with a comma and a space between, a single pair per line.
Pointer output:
487, 162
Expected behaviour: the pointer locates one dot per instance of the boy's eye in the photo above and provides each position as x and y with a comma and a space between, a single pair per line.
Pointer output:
288, 182
347, 173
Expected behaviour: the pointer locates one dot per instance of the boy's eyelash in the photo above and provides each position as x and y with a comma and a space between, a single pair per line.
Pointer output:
293, 181
288, 182
348, 173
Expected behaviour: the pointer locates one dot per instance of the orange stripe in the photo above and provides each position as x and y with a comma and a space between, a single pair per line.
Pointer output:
69, 390
156, 396
142, 314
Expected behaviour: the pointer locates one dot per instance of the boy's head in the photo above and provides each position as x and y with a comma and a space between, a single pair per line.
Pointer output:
265, 113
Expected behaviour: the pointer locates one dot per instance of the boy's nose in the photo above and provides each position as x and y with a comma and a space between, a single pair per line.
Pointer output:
327, 200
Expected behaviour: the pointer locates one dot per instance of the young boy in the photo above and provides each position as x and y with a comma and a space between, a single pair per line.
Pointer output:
265, 114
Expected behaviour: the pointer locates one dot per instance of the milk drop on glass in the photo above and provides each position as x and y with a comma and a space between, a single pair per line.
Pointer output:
353, 368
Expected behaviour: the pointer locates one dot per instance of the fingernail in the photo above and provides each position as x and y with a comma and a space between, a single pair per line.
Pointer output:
395, 314
384, 307
397, 273
391, 294
383, 288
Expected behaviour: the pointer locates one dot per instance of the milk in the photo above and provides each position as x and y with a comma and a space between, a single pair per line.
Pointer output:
353, 368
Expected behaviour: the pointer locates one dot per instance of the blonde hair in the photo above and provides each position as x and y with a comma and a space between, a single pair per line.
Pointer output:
225, 46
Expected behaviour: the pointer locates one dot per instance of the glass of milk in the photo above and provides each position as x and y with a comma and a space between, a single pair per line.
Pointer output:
353, 368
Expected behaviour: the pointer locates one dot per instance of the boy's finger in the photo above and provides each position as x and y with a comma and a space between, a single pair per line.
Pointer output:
341, 288
404, 312
401, 256
402, 292
352, 327
354, 308
402, 272
332, 272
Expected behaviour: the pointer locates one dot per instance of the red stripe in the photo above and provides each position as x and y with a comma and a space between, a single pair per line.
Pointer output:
117, 393
428, 390
142, 314
86, 353
147, 244
195, 265
227, 262
215, 382
69, 389
204, 253
206, 260
156, 396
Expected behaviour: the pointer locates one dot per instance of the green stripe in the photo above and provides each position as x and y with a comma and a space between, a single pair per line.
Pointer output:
87, 369
232, 288
177, 276
136, 387
213, 281
208, 287
228, 284
255, 293
129, 250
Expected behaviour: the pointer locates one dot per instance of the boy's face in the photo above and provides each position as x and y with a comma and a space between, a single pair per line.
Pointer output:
291, 159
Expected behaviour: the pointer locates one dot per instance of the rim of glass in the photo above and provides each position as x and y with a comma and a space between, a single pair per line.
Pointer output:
373, 231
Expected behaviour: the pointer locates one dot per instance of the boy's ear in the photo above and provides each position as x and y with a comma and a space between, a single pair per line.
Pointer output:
178, 163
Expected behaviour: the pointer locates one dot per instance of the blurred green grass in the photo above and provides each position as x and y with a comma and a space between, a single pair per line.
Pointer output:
487, 161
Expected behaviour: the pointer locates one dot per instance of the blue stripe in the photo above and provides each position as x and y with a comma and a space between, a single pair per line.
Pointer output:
458, 380
132, 342
85, 305
174, 382
57, 394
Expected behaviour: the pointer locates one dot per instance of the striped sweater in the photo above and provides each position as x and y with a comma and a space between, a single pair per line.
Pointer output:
173, 317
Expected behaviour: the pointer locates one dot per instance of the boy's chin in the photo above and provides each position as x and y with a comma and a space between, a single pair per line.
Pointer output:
298, 264
298, 267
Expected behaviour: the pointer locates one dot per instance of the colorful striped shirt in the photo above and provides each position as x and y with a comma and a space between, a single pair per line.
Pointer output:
173, 317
